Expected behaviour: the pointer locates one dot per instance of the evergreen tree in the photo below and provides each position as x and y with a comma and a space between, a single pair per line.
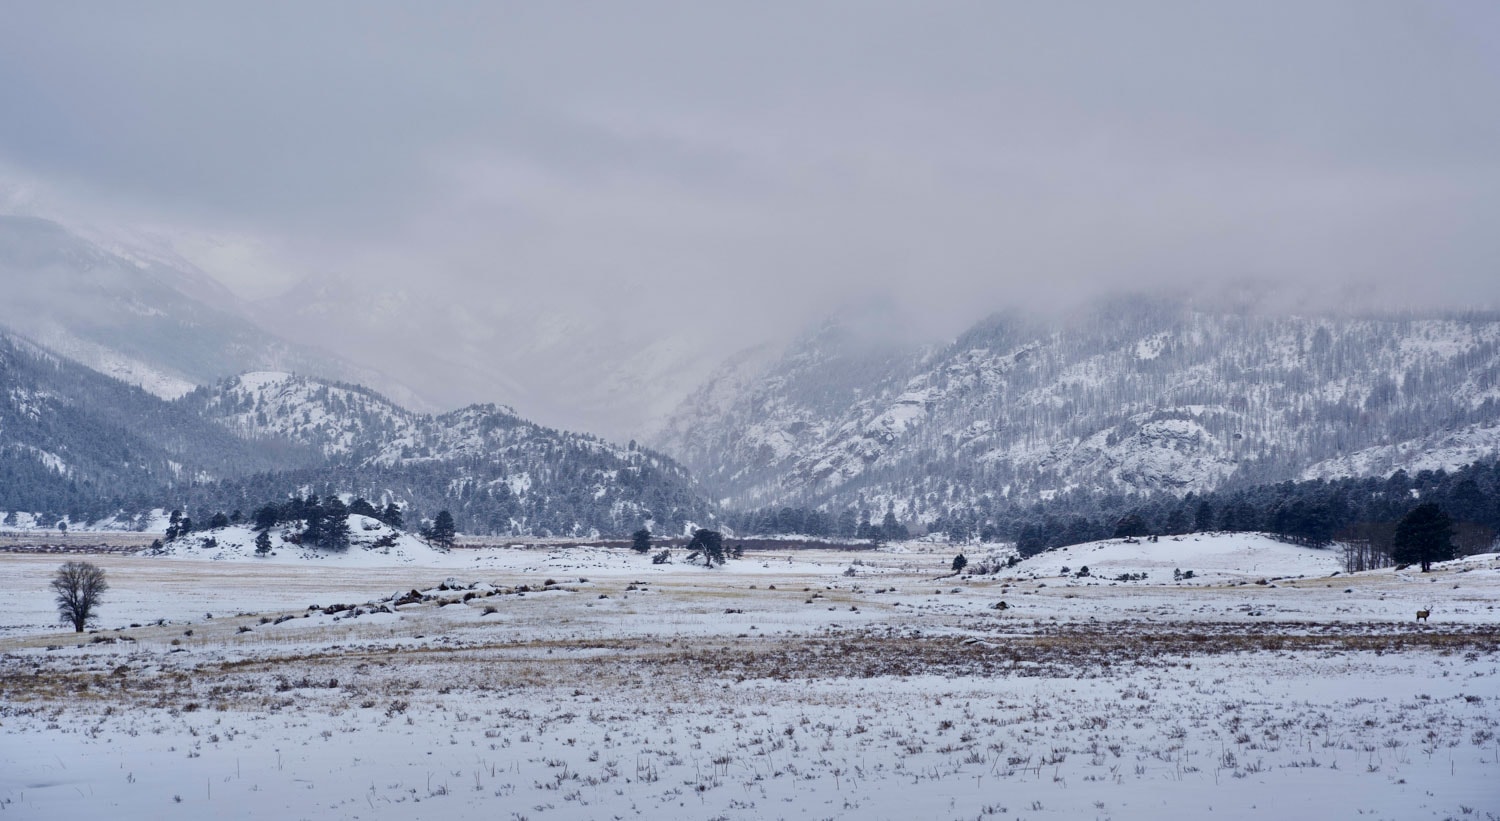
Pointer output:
959, 563
1424, 536
847, 524
443, 533
312, 516
1203, 520
266, 517
1177, 521
1130, 527
263, 543
335, 534
640, 541
890, 529
392, 516
709, 544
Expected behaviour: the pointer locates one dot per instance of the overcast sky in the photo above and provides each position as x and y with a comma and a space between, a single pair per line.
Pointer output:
764, 163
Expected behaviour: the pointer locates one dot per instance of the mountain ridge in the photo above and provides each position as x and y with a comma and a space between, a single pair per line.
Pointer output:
250, 439
1134, 395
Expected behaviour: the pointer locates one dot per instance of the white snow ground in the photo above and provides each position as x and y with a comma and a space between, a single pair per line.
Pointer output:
775, 687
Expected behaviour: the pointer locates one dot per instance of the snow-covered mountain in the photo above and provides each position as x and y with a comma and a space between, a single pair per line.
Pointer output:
496, 472
1132, 395
142, 316
338, 420
80, 445
75, 442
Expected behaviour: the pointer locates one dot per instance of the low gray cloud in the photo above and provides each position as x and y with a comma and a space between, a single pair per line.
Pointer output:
729, 172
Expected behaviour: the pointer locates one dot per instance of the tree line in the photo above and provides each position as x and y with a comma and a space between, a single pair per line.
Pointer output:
1360, 512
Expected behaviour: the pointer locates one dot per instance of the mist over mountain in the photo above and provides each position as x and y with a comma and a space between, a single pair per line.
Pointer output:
1134, 395
146, 318
135, 310
582, 361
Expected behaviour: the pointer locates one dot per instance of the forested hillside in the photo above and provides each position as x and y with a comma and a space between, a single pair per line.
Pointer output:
496, 472
76, 443
79, 445
1134, 396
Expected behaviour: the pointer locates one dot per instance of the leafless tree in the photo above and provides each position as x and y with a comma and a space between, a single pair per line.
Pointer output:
79, 586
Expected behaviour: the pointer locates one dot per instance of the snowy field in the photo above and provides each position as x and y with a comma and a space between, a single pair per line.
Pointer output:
582, 683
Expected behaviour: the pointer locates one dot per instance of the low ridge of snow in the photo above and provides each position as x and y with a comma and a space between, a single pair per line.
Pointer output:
371, 544
1213, 557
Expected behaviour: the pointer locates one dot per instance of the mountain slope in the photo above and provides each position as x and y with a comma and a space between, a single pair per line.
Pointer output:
74, 440
79, 444
141, 318
1134, 395
496, 472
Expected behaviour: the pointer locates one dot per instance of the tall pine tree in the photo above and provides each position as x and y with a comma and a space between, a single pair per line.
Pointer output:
1424, 536
443, 533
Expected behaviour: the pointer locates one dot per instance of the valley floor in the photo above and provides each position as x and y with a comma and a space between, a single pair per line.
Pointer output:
775, 687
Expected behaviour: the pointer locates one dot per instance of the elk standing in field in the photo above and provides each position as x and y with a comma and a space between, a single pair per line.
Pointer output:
1423, 614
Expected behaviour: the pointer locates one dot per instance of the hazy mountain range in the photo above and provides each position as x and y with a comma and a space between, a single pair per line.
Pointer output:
1130, 395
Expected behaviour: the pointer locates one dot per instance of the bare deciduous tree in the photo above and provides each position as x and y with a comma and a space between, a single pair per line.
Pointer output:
79, 586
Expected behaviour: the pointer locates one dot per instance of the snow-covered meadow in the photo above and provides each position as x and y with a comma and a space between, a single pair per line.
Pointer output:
585, 682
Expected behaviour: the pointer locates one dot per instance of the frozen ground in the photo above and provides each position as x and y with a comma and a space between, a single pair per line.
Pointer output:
776, 687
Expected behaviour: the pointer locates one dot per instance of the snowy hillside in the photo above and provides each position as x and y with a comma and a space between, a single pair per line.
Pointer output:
1136, 395
338, 420
81, 447
371, 543
1442, 450
76, 443
496, 472
1213, 558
